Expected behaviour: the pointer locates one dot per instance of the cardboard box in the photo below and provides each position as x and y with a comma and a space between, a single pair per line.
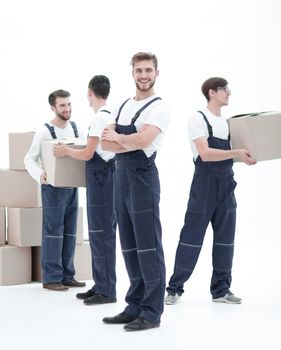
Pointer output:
15, 265
82, 263
25, 227
260, 133
19, 144
63, 171
2, 226
18, 189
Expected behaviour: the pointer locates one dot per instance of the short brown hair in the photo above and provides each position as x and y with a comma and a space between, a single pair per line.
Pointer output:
142, 56
58, 93
213, 84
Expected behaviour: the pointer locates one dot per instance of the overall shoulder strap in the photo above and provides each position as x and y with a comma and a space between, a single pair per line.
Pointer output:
120, 109
74, 127
143, 108
210, 130
105, 110
52, 130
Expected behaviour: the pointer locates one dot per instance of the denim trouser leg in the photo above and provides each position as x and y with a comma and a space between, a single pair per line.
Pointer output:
102, 228
55, 251
223, 223
212, 200
140, 236
69, 236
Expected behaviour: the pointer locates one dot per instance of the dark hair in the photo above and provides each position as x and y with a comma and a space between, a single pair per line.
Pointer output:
100, 85
141, 56
58, 93
213, 84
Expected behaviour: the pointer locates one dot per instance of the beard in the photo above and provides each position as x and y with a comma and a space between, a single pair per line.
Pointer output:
64, 117
143, 89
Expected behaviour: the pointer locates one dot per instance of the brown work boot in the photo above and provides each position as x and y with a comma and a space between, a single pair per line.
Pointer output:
73, 283
57, 286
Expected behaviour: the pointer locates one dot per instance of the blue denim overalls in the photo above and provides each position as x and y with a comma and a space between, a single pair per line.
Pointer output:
60, 209
101, 224
137, 207
211, 200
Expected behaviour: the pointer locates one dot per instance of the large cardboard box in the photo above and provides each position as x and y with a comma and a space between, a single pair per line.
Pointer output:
2, 226
15, 265
19, 143
18, 189
63, 171
82, 262
25, 227
260, 133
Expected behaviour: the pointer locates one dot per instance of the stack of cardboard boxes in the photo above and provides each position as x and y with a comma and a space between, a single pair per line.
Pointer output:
21, 217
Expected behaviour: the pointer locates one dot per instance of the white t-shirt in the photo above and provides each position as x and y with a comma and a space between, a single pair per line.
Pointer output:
32, 160
197, 127
99, 121
156, 114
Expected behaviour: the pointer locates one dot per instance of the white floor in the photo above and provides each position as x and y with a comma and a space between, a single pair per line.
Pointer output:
33, 318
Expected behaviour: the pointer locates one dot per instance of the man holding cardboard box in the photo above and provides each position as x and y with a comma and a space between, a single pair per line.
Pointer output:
100, 208
60, 205
211, 198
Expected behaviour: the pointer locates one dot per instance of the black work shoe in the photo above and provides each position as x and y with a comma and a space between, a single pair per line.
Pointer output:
73, 283
118, 319
140, 324
99, 299
56, 286
85, 295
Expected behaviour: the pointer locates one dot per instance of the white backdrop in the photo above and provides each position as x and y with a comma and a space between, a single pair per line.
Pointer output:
47, 45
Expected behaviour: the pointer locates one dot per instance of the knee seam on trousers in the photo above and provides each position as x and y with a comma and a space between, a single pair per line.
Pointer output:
135, 278
56, 237
191, 245
146, 250
142, 211
128, 250
224, 244
152, 281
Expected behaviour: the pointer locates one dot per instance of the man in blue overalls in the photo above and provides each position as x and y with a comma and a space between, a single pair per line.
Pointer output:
140, 123
100, 208
211, 198
60, 205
